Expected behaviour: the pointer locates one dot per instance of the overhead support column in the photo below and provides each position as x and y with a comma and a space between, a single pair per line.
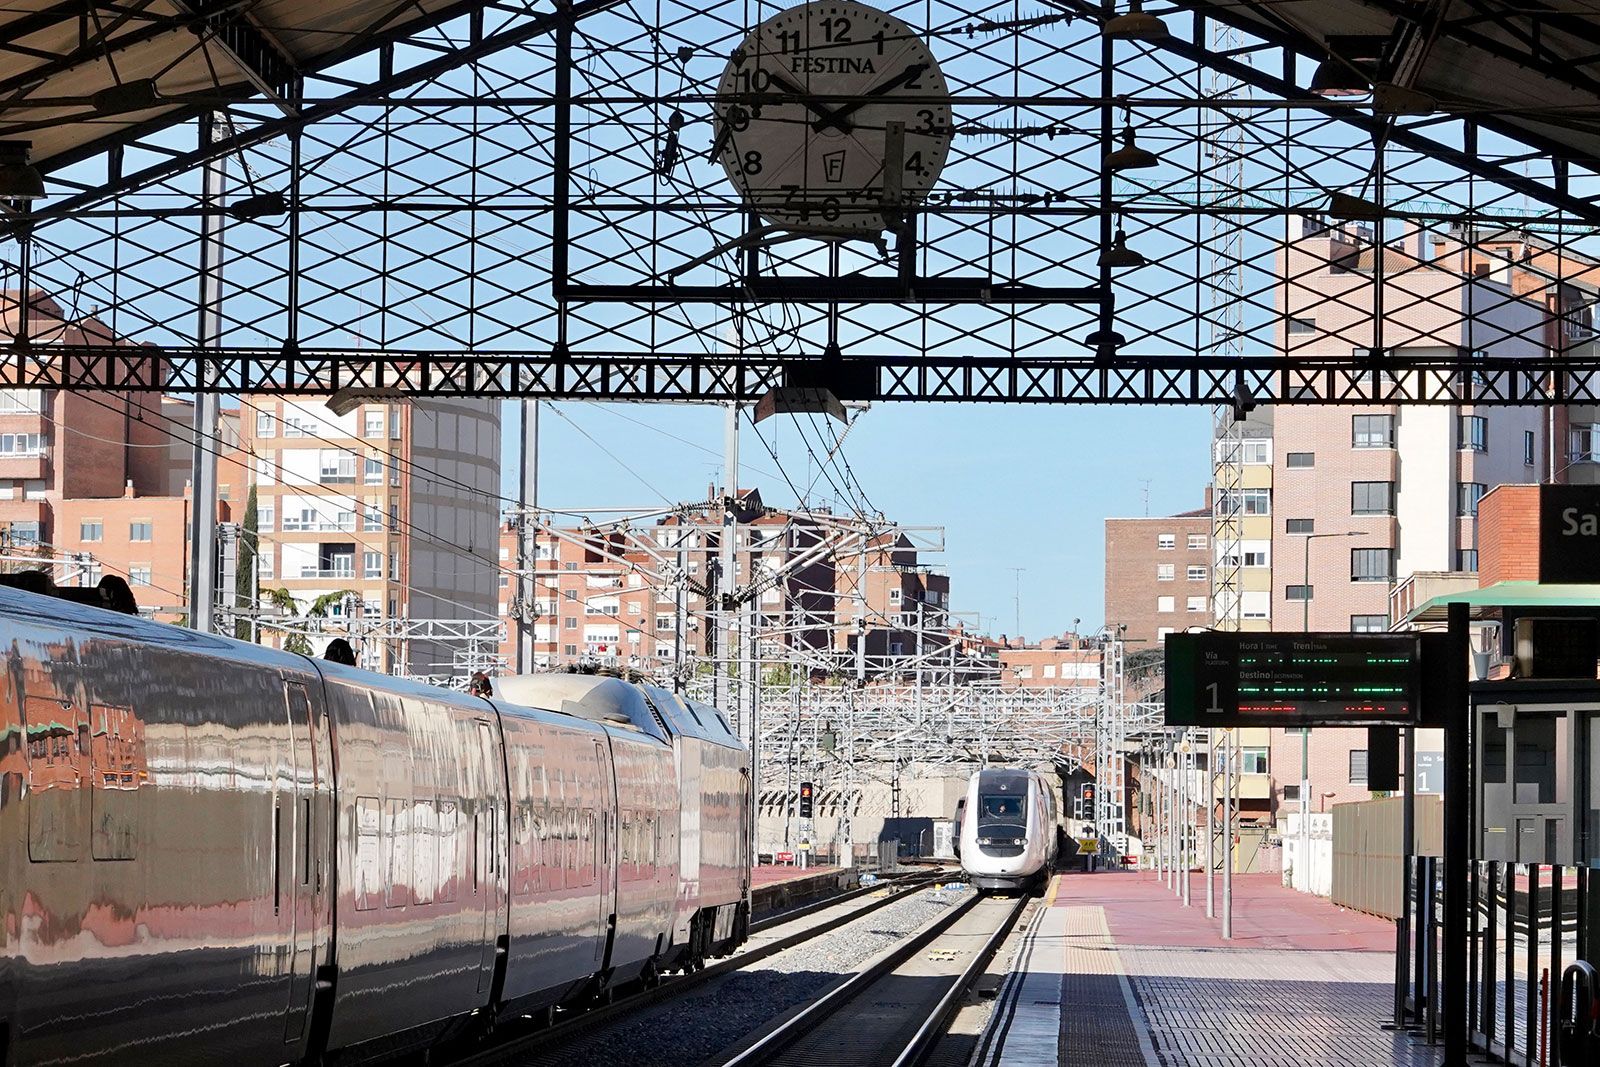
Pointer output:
527, 539
208, 337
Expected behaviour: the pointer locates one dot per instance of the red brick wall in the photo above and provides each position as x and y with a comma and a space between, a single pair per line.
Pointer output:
1508, 535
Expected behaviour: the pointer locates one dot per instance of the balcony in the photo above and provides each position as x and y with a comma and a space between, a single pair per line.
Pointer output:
24, 466
338, 571
1417, 589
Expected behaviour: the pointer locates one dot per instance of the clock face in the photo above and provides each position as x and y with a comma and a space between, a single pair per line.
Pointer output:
815, 161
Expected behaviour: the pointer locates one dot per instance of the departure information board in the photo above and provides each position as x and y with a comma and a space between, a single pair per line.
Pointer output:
1282, 679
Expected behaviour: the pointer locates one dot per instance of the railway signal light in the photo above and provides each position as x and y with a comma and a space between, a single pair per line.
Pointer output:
806, 800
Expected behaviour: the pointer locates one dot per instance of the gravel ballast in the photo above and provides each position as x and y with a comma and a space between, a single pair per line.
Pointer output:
685, 1032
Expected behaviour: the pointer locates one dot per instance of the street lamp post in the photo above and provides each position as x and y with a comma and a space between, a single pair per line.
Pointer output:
1305, 732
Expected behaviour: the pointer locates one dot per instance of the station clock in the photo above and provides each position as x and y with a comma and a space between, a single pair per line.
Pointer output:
830, 117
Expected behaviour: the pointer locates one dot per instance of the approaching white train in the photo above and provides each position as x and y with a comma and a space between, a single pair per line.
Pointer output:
1008, 829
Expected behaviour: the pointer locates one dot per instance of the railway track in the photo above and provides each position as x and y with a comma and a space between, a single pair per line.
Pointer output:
768, 937
892, 1012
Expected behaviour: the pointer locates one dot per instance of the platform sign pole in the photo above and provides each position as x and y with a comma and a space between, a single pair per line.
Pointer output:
1457, 835
1188, 815
1211, 823
1227, 836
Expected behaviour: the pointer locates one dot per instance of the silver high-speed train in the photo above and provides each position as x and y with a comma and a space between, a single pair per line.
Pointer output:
1008, 829
214, 852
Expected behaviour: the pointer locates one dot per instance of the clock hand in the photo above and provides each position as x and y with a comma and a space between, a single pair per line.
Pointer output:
824, 114
835, 116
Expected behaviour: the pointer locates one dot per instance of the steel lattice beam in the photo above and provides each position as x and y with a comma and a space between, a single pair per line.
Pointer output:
1236, 381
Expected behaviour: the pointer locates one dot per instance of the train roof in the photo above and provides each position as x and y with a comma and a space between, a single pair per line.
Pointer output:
597, 697
690, 718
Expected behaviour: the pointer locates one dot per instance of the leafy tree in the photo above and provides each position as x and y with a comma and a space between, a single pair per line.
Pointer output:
285, 602
244, 580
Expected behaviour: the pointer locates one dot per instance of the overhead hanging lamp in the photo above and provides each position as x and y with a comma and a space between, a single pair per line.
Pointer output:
1135, 24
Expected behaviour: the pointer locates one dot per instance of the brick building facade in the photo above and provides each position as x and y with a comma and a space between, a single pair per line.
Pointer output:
1158, 576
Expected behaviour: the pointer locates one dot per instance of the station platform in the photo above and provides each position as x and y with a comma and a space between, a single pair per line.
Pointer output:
774, 887
1116, 972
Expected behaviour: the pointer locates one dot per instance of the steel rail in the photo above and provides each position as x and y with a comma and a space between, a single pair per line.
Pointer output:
788, 1032
594, 1018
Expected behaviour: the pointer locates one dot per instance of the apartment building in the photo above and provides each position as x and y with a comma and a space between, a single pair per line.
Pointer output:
392, 507
1361, 496
644, 595
1069, 660
1158, 576
100, 479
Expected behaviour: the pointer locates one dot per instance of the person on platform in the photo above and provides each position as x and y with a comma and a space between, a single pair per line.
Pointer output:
480, 686
339, 651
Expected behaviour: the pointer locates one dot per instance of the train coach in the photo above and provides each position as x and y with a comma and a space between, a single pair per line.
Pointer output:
212, 851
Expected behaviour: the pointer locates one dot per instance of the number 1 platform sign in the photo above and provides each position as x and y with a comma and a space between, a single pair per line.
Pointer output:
1284, 679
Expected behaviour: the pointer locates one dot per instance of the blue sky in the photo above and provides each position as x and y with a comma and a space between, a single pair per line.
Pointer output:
1014, 486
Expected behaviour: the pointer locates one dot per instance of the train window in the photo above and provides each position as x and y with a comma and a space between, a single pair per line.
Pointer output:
1002, 807
424, 851
397, 831
369, 858
57, 767
116, 753
449, 851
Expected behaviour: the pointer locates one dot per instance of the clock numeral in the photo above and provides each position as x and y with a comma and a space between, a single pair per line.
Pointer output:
914, 77
926, 115
752, 162
789, 193
914, 163
789, 40
879, 39
753, 81
836, 30
737, 119
830, 209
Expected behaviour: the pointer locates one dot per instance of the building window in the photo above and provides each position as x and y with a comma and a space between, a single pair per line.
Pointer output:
1371, 564
1466, 559
1372, 498
1467, 496
894, 596
20, 401
1527, 448
91, 531
1197, 542
1583, 444
21, 444
139, 574
372, 422
1255, 557
1302, 325
1246, 502
266, 562
1195, 573
664, 622
1195, 604
1291, 792
1302, 459
569, 650
1255, 451
1165, 572
1369, 624
570, 594
1300, 526
1166, 604
1472, 433
394, 473
1299, 592
140, 531
266, 424
335, 467
372, 564
394, 514
394, 424
1166, 541
570, 623
1372, 431
292, 427
1358, 766
371, 519
34, 489
372, 471
1253, 761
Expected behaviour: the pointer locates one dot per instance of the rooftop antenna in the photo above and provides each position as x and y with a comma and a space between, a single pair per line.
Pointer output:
1146, 483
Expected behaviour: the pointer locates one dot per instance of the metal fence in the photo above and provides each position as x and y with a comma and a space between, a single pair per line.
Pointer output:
1528, 921
1368, 849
